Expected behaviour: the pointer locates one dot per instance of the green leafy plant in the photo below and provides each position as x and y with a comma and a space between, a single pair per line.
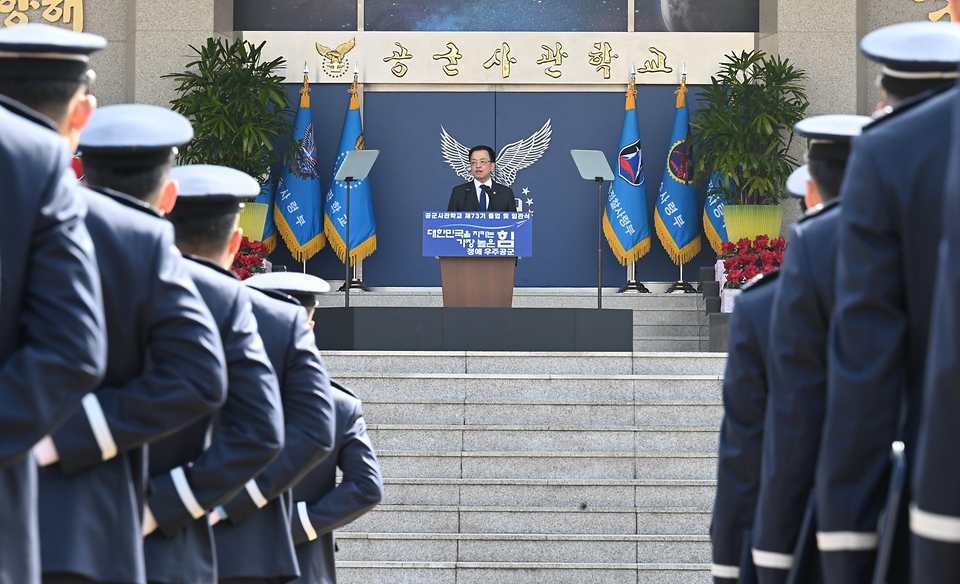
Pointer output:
237, 105
744, 127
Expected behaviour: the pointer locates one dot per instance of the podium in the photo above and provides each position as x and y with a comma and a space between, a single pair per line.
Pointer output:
478, 254
477, 282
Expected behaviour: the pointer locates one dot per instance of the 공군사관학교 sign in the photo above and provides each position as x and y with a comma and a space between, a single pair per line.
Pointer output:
447, 233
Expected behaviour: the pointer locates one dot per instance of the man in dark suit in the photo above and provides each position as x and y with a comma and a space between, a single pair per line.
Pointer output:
797, 360
482, 193
52, 330
889, 228
252, 531
741, 433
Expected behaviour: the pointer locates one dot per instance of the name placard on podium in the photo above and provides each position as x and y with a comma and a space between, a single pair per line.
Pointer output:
475, 234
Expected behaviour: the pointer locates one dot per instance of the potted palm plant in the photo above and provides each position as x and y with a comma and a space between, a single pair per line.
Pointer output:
742, 136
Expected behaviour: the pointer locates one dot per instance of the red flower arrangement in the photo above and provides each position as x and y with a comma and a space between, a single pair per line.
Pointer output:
744, 260
250, 259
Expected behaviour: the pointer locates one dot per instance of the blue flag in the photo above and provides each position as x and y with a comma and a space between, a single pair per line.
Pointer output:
625, 217
269, 227
363, 227
714, 226
297, 205
676, 217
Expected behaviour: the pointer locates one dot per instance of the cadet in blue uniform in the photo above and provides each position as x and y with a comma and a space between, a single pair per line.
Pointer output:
205, 464
797, 360
252, 531
877, 344
50, 289
935, 512
741, 434
321, 504
164, 366
916, 56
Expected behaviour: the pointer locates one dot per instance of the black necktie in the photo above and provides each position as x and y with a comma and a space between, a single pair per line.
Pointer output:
483, 197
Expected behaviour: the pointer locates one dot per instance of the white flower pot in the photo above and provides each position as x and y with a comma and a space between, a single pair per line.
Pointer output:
727, 298
719, 274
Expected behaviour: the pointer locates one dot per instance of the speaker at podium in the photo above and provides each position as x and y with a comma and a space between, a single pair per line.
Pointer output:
478, 254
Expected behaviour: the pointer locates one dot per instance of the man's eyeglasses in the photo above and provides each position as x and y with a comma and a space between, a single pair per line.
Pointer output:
479, 162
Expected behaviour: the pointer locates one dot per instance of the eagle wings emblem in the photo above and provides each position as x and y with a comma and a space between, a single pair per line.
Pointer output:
336, 56
513, 157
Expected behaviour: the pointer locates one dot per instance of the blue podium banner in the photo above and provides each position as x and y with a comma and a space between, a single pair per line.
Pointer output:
447, 233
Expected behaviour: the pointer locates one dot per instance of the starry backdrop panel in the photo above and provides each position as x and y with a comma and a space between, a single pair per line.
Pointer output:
410, 177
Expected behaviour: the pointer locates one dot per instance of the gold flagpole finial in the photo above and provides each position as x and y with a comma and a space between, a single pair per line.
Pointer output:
355, 91
632, 90
682, 90
305, 90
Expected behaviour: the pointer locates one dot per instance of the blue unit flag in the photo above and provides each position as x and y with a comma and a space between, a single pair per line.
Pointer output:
625, 216
297, 205
363, 227
675, 216
714, 225
269, 226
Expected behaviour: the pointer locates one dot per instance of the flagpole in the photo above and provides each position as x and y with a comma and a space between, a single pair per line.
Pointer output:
680, 285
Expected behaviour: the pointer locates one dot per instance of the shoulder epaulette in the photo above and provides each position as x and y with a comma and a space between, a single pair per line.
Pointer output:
761, 280
907, 105
819, 210
336, 385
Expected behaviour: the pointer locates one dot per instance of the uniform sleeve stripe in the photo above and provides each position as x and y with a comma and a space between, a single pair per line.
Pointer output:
255, 493
728, 572
305, 521
186, 493
839, 541
773, 560
934, 526
98, 423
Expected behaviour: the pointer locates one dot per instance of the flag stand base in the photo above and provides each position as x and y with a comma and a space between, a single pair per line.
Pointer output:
355, 284
681, 287
634, 287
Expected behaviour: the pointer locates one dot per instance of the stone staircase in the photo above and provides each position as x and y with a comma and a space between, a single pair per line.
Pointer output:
536, 467
661, 322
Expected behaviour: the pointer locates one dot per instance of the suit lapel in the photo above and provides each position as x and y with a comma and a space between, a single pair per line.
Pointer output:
472, 203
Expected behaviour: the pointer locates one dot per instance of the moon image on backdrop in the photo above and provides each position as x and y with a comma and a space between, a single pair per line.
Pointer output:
711, 15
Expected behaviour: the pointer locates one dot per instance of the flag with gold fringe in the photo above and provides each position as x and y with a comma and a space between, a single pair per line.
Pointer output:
625, 216
297, 203
714, 225
363, 227
269, 236
675, 216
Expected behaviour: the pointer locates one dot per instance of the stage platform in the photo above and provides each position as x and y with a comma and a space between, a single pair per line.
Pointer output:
661, 322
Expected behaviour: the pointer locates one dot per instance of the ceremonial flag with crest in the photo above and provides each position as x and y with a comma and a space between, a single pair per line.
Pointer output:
714, 225
625, 216
266, 197
297, 204
363, 227
675, 215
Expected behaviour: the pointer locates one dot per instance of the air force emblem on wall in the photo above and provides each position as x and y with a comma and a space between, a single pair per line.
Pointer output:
303, 163
630, 164
336, 63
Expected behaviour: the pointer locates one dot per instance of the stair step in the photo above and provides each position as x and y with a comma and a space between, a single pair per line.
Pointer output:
583, 494
527, 519
545, 438
549, 548
519, 573
548, 465
481, 362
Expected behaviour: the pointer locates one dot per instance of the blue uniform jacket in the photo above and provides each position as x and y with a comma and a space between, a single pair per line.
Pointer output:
165, 370
209, 462
797, 381
935, 514
889, 229
321, 504
741, 433
52, 331
254, 541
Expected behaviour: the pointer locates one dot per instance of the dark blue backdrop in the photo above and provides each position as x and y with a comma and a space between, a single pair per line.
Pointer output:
411, 176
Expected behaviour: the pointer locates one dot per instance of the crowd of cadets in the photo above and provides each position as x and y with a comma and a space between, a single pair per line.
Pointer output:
160, 421
839, 457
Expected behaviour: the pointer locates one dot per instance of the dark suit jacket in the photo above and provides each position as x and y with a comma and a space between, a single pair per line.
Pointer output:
889, 231
322, 505
797, 380
465, 198
52, 331
165, 370
741, 434
214, 458
254, 542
